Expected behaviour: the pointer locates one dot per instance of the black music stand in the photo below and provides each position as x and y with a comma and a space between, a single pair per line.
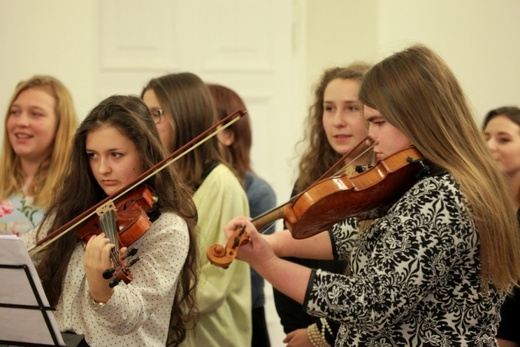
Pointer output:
27, 318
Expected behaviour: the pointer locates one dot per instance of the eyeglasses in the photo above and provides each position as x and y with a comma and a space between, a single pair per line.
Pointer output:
157, 114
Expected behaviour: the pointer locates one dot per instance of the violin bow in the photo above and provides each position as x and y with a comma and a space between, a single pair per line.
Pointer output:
173, 157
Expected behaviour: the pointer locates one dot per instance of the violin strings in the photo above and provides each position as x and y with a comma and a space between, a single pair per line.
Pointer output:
109, 227
344, 167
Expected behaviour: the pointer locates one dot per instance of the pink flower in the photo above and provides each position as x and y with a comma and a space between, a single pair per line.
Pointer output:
6, 207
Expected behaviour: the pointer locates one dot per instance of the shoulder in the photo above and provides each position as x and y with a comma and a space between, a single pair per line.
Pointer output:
437, 196
221, 177
440, 186
256, 185
171, 226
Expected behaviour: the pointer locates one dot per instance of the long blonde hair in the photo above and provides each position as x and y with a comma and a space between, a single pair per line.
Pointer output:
52, 168
417, 92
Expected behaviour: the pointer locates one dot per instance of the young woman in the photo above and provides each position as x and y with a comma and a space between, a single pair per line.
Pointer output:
115, 143
502, 133
435, 265
39, 125
183, 108
236, 142
334, 127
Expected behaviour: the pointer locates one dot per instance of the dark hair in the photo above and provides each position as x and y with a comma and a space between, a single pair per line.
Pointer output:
511, 112
187, 101
80, 191
228, 101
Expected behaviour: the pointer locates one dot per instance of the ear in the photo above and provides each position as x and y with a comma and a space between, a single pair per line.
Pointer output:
226, 137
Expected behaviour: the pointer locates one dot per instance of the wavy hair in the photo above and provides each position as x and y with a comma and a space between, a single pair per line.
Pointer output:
52, 168
318, 156
418, 93
133, 119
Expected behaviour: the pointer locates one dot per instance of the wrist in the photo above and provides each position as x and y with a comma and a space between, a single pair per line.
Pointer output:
95, 304
315, 336
99, 300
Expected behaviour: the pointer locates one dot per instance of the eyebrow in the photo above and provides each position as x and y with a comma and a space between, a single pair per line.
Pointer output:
347, 101
372, 118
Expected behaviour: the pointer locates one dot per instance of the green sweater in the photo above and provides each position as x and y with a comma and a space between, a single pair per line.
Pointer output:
223, 295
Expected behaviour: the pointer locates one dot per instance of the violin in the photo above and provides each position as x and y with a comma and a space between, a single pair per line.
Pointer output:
122, 228
331, 200
123, 215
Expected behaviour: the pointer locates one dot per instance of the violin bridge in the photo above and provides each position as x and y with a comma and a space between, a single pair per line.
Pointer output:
108, 206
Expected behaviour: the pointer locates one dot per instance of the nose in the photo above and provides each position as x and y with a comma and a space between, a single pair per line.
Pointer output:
22, 119
371, 133
491, 143
103, 166
339, 120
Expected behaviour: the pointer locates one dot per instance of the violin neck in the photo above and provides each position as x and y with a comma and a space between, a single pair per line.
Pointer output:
269, 216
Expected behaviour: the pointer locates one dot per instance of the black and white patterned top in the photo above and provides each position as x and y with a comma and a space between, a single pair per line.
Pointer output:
414, 276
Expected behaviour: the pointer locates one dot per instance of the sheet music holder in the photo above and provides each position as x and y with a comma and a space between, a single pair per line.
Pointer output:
27, 318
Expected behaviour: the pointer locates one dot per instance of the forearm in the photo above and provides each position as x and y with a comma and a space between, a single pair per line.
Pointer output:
316, 247
289, 278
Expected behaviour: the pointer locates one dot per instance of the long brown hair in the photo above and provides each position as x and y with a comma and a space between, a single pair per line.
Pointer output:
51, 171
187, 101
319, 156
80, 191
417, 92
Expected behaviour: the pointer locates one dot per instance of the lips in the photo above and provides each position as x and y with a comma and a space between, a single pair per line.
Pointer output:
341, 138
22, 136
109, 183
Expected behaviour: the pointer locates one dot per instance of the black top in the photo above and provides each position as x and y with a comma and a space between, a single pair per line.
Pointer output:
510, 314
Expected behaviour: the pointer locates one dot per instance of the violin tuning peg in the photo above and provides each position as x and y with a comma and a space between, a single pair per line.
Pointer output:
133, 261
108, 273
114, 283
131, 252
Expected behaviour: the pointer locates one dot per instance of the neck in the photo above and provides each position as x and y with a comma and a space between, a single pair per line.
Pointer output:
30, 168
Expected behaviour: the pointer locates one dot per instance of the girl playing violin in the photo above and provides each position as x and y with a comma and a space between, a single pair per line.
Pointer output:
434, 266
115, 143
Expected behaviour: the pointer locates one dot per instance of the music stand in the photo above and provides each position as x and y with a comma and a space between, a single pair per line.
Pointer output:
27, 318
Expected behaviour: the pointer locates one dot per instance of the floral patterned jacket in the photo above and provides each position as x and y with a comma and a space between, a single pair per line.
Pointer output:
18, 214
415, 276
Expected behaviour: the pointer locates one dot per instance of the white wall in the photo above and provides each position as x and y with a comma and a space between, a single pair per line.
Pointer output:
47, 37
477, 38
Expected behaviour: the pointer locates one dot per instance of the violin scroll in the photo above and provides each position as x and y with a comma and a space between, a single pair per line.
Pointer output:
222, 256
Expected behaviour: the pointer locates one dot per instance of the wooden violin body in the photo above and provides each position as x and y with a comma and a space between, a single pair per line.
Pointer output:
132, 220
332, 200
124, 223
